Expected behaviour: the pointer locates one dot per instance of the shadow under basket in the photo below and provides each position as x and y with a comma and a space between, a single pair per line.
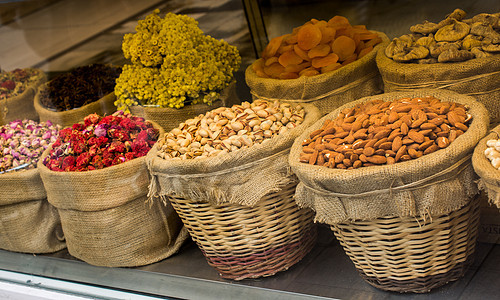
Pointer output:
250, 242
410, 254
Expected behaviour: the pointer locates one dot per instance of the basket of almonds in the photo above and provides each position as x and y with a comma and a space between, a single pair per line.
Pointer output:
325, 63
486, 162
392, 176
226, 174
30, 224
457, 53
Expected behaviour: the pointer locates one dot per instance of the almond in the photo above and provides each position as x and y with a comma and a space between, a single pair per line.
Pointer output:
416, 136
442, 142
377, 159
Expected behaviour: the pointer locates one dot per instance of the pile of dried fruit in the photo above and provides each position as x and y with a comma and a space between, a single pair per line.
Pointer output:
451, 40
101, 142
385, 132
23, 142
317, 47
225, 129
493, 152
79, 87
15, 82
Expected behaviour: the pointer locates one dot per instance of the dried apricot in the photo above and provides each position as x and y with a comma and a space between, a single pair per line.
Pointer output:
301, 53
289, 75
290, 39
338, 20
272, 47
295, 68
284, 48
365, 51
350, 59
271, 60
308, 36
343, 46
327, 35
309, 72
330, 68
274, 70
258, 67
319, 51
289, 58
367, 35
325, 61
373, 42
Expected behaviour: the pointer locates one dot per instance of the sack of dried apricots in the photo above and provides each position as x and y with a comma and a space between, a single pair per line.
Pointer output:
395, 154
456, 54
323, 63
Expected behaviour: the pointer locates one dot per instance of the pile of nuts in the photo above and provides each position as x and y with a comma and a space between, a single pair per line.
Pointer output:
493, 152
225, 129
385, 132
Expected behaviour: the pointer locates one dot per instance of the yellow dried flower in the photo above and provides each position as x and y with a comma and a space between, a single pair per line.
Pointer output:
173, 63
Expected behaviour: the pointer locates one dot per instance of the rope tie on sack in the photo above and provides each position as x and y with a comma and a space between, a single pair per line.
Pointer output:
340, 90
229, 170
443, 84
451, 172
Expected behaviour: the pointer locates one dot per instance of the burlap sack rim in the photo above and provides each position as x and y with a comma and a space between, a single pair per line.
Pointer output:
68, 116
305, 80
26, 175
247, 158
392, 170
489, 177
111, 169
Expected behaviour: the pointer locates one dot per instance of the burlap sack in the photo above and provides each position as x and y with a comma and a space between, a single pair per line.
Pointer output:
21, 106
434, 184
103, 106
28, 222
106, 218
326, 91
477, 77
489, 177
240, 177
169, 118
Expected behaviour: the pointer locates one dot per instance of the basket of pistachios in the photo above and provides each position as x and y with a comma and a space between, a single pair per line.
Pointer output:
29, 223
486, 162
457, 53
226, 174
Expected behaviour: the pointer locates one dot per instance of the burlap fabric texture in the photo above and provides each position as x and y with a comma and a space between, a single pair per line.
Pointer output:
103, 106
28, 222
169, 118
21, 106
240, 177
327, 91
106, 218
477, 77
489, 177
433, 184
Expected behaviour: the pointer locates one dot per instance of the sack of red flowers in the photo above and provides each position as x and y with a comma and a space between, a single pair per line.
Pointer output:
96, 176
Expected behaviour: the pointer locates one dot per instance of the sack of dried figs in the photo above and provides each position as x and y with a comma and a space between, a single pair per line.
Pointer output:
322, 63
458, 54
395, 154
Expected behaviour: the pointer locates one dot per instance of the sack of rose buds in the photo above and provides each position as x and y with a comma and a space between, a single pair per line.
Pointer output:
384, 177
338, 59
168, 118
486, 162
18, 89
69, 97
99, 184
28, 222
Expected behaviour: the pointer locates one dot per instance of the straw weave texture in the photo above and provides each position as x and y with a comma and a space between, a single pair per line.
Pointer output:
412, 254
106, 218
249, 242
476, 77
326, 91
433, 184
103, 106
27, 221
489, 177
21, 106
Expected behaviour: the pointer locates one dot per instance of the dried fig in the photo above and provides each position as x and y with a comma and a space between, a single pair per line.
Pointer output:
454, 55
398, 45
431, 60
485, 30
488, 46
439, 48
429, 27
471, 41
453, 32
426, 41
479, 53
416, 52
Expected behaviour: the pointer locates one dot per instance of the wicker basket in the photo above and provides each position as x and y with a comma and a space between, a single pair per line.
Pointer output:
412, 254
249, 242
